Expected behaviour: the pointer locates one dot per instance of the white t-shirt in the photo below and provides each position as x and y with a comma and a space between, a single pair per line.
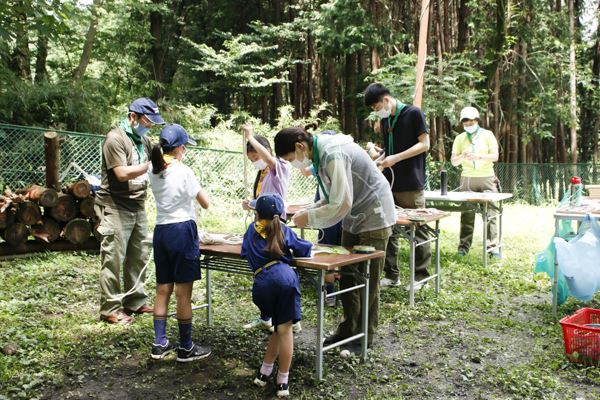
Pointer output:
175, 191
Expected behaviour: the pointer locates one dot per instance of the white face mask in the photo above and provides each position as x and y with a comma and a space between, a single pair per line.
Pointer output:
301, 165
384, 112
471, 129
259, 164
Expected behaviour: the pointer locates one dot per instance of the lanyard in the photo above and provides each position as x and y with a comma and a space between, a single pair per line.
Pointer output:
471, 137
316, 162
399, 107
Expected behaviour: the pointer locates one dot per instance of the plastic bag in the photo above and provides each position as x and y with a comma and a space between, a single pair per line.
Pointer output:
579, 260
544, 262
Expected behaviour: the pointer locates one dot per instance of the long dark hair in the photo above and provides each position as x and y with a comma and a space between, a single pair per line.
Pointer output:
158, 162
263, 141
286, 139
275, 239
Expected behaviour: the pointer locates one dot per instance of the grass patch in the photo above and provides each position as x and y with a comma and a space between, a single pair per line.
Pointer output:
488, 335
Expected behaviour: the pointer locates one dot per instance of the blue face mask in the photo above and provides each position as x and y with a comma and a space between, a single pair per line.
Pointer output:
139, 129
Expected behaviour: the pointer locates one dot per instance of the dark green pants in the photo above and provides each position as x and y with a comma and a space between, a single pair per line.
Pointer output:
467, 218
414, 199
354, 275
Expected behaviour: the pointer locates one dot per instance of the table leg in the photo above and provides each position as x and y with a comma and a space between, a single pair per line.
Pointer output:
437, 256
365, 309
320, 315
411, 256
485, 223
209, 316
555, 278
302, 233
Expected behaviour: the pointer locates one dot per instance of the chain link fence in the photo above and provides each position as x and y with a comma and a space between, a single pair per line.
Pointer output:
222, 172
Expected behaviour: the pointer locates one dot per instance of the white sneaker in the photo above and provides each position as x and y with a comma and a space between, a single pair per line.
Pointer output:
418, 286
297, 328
385, 282
259, 323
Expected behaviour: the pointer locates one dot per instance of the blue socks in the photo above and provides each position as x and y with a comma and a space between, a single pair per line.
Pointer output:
160, 330
185, 333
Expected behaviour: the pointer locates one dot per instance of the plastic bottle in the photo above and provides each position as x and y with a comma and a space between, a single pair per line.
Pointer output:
576, 188
443, 182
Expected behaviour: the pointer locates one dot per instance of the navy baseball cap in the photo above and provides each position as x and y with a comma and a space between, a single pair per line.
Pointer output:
269, 205
147, 107
174, 135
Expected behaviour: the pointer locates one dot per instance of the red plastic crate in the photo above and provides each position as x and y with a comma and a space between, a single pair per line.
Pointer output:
582, 343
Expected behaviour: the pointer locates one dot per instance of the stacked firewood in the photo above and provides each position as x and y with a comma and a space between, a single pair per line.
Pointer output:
47, 216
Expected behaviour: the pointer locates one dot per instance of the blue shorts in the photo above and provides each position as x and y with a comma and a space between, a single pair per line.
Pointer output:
276, 292
176, 252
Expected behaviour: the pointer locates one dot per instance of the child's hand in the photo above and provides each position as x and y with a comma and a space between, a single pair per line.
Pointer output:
248, 130
246, 205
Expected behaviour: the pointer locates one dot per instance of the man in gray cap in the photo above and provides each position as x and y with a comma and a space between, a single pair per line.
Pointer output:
120, 207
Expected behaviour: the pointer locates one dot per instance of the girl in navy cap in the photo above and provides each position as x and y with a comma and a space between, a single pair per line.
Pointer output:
268, 246
175, 241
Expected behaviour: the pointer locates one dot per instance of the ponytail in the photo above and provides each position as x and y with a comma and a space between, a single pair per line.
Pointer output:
275, 239
158, 162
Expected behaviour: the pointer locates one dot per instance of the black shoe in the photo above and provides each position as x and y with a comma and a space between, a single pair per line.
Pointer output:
159, 352
195, 353
261, 380
331, 339
283, 390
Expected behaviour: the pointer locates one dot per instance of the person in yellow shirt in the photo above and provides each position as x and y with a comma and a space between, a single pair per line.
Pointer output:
476, 150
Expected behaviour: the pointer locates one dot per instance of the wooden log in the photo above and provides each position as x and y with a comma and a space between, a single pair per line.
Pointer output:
65, 209
86, 207
47, 197
7, 251
80, 189
52, 155
16, 234
46, 232
29, 213
77, 231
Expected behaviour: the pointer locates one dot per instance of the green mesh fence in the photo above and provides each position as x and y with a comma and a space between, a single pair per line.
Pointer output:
535, 184
222, 172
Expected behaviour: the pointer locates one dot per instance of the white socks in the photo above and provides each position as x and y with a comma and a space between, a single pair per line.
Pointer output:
266, 369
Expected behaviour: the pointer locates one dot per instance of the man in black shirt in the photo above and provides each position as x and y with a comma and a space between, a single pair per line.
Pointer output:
406, 142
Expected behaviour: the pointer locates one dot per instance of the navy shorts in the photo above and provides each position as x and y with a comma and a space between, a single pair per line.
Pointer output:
276, 292
176, 252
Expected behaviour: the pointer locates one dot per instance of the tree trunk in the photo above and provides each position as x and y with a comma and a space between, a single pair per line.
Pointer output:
86, 207
46, 232
20, 62
573, 84
349, 95
29, 213
331, 85
300, 91
52, 155
463, 27
80, 189
90, 38
422, 53
45, 196
66, 208
41, 74
77, 231
310, 47
16, 234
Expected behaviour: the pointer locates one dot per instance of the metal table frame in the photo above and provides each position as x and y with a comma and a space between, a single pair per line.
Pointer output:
562, 216
478, 201
408, 233
232, 263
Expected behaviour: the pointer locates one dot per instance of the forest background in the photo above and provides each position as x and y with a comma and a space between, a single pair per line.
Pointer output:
532, 67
